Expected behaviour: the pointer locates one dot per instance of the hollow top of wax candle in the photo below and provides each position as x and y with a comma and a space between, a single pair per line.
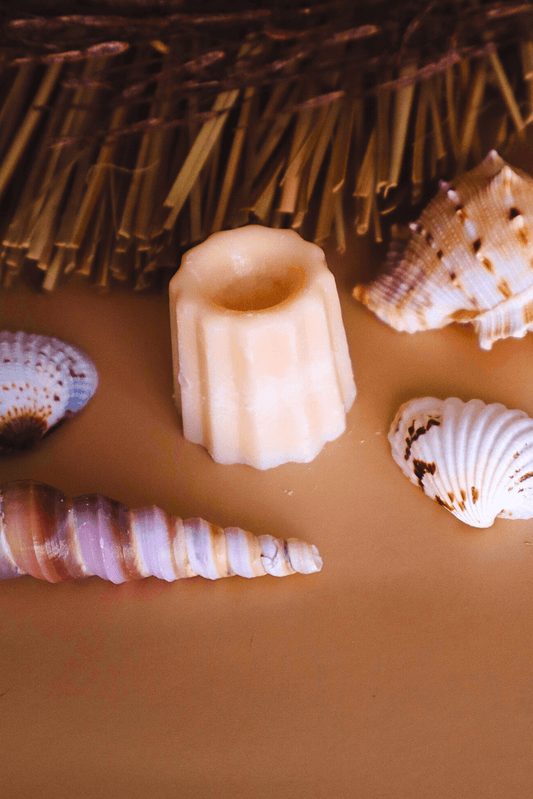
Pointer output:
250, 269
258, 291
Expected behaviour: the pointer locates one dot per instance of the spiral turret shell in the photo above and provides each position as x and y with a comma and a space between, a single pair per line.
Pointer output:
52, 537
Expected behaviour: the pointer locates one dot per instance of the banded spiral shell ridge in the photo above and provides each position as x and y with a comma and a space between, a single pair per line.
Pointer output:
53, 537
476, 460
43, 381
469, 258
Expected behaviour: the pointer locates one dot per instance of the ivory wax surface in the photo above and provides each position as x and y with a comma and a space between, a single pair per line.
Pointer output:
261, 362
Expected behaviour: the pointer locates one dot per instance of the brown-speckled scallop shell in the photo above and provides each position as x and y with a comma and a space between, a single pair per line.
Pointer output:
43, 381
475, 460
469, 258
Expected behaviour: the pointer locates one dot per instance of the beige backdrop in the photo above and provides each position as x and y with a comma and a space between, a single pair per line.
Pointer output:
403, 669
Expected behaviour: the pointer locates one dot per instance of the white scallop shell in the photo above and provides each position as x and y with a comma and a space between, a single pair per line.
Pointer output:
474, 459
43, 381
469, 258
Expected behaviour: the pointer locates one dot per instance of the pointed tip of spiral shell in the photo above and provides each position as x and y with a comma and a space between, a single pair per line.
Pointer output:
43, 381
468, 258
473, 459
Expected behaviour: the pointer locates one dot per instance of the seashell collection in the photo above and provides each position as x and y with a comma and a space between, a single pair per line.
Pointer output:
53, 537
43, 381
469, 258
475, 460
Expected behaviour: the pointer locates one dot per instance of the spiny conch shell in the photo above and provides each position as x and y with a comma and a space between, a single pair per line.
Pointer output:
53, 537
43, 381
474, 459
469, 258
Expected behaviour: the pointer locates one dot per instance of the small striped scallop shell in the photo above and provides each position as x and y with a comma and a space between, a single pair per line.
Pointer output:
43, 381
475, 460
469, 258
52, 537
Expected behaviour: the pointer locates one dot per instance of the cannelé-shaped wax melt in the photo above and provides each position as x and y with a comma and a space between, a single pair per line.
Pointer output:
53, 537
262, 372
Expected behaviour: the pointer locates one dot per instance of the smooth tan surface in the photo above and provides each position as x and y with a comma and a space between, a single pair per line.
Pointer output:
403, 669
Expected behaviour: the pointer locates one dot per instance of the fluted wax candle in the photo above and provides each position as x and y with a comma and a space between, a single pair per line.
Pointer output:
262, 372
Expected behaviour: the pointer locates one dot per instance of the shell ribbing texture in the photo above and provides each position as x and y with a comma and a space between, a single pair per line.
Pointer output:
469, 258
52, 537
475, 460
43, 380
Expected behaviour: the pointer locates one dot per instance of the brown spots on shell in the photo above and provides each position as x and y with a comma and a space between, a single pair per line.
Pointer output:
461, 504
501, 329
485, 262
526, 476
461, 214
476, 245
463, 315
504, 288
415, 433
522, 235
527, 312
443, 503
421, 468
519, 226
475, 494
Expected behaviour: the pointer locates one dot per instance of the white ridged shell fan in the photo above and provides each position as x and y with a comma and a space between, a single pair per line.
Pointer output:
475, 460
469, 258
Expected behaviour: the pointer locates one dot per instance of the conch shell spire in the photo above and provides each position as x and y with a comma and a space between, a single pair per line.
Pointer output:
53, 537
467, 259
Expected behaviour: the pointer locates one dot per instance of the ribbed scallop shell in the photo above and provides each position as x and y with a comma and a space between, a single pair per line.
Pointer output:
469, 258
43, 380
53, 537
476, 460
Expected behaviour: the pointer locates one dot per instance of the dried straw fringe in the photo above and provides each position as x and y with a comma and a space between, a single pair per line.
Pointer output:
116, 190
